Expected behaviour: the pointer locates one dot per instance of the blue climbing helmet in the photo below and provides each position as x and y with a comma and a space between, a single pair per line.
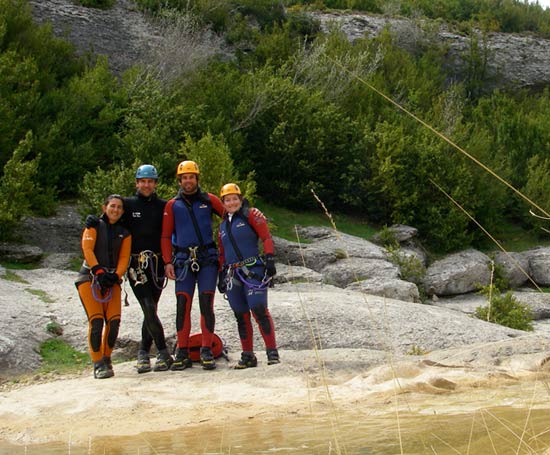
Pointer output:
147, 171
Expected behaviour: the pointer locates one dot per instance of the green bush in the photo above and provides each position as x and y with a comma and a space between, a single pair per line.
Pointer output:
505, 310
96, 186
17, 187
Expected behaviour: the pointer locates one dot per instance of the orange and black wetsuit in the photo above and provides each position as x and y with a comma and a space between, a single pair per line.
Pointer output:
107, 246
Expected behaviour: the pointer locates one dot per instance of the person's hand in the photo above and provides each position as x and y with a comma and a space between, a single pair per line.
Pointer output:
111, 278
98, 270
222, 284
104, 281
92, 221
257, 213
270, 269
169, 271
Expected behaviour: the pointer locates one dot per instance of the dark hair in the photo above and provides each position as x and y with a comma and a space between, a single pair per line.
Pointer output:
113, 196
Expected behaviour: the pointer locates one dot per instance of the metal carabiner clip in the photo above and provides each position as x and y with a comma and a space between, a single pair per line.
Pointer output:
195, 267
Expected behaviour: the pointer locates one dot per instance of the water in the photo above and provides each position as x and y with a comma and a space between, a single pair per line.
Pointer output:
495, 430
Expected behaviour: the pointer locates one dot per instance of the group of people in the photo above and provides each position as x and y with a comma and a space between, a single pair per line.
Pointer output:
150, 239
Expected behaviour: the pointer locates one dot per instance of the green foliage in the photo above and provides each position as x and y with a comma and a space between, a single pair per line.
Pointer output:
96, 186
387, 238
505, 310
42, 295
17, 187
215, 164
410, 267
58, 356
12, 276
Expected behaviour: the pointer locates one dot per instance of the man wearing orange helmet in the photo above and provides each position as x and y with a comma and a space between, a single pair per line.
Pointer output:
191, 258
245, 275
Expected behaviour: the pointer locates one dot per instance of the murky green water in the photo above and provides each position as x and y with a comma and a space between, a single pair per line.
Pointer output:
496, 430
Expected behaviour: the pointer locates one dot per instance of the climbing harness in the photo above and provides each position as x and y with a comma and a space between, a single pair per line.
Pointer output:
146, 259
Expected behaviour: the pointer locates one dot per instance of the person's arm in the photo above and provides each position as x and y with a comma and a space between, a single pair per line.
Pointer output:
259, 224
166, 239
217, 205
89, 237
221, 258
124, 256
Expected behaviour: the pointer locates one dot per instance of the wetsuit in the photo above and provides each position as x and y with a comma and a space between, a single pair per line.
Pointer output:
240, 256
187, 241
108, 246
143, 218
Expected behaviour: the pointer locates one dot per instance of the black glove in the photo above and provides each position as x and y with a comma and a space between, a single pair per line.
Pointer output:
111, 278
91, 221
222, 284
270, 265
104, 281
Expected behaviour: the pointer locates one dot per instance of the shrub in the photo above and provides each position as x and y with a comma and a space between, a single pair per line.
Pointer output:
17, 187
505, 310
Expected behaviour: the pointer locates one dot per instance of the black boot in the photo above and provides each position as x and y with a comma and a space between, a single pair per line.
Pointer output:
164, 361
272, 356
248, 360
102, 371
182, 360
143, 363
207, 359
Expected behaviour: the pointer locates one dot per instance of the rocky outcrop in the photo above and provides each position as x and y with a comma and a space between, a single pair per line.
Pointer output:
122, 32
511, 59
539, 265
514, 267
458, 273
126, 35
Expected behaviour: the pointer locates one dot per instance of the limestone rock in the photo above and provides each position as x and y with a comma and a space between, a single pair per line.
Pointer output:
458, 273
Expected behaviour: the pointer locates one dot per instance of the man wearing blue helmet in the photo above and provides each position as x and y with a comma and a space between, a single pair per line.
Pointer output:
143, 218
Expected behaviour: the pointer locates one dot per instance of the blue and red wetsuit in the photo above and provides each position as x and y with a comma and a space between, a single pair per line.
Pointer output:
187, 242
239, 253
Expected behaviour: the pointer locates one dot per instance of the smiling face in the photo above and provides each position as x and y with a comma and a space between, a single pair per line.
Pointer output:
232, 203
114, 208
189, 183
146, 187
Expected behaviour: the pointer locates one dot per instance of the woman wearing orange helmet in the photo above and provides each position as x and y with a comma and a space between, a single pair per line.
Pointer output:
245, 275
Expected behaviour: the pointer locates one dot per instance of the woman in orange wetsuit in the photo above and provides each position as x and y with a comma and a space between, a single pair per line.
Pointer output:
106, 250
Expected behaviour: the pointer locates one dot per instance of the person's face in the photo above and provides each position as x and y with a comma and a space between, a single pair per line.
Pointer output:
114, 210
189, 183
232, 203
146, 187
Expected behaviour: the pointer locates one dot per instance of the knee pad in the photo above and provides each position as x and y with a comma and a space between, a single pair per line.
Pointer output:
206, 304
181, 308
242, 324
95, 334
114, 325
262, 316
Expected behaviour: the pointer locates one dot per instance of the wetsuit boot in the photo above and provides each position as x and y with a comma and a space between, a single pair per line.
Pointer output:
102, 371
272, 356
207, 359
164, 361
181, 360
248, 360
143, 363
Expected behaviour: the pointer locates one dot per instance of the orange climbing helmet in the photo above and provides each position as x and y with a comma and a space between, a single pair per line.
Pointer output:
187, 167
